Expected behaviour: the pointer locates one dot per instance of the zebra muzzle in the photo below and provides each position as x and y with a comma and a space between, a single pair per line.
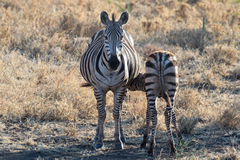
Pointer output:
113, 62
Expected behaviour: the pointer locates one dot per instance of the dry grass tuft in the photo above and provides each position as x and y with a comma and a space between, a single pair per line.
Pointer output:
205, 80
149, 49
200, 105
137, 105
193, 39
222, 54
188, 99
187, 124
231, 117
71, 130
235, 73
231, 154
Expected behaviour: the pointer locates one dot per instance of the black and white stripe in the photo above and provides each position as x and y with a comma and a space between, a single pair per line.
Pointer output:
161, 80
110, 63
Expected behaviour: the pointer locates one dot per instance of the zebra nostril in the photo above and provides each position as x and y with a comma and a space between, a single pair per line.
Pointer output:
114, 62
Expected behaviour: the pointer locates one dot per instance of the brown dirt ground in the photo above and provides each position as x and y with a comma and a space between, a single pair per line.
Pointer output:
29, 140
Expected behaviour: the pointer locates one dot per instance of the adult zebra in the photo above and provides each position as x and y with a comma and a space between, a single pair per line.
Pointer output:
159, 80
110, 63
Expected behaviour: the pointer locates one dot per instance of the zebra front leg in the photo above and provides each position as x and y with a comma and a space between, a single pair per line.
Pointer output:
101, 102
123, 138
145, 137
168, 117
118, 99
118, 143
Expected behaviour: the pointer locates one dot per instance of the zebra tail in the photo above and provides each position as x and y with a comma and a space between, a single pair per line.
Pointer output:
161, 81
86, 85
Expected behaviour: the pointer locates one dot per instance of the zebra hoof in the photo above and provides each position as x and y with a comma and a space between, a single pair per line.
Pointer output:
151, 151
123, 139
119, 146
97, 146
173, 150
143, 145
95, 140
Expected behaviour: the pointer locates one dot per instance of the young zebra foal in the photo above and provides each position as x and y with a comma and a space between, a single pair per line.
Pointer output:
161, 80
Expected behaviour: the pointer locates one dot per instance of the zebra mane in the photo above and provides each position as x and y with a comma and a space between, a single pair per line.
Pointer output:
113, 20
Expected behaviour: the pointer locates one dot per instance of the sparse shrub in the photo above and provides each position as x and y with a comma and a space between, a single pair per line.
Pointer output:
184, 10
187, 124
231, 154
205, 80
188, 99
71, 130
186, 56
222, 54
231, 117
190, 38
192, 1
235, 73
149, 49
194, 104
137, 105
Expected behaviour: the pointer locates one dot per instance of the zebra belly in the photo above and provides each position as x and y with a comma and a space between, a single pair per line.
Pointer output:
111, 83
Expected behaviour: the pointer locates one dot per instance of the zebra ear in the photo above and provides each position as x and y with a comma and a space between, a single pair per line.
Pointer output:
124, 18
104, 18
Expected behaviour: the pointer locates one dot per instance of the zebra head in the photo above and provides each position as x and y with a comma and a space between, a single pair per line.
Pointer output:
113, 38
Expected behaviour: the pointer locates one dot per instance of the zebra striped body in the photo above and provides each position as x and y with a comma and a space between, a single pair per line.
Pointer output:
94, 69
110, 63
161, 80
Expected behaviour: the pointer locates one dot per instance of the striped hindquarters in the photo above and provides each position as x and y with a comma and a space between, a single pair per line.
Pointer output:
161, 75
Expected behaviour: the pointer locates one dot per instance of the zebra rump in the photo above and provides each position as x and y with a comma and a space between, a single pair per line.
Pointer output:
159, 80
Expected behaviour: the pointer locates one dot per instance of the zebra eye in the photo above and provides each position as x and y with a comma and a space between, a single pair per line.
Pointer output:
119, 46
122, 35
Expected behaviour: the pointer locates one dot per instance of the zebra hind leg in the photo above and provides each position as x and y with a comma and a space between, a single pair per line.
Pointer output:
145, 137
154, 125
168, 117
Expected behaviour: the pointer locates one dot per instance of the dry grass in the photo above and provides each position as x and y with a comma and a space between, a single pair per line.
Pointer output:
231, 117
42, 42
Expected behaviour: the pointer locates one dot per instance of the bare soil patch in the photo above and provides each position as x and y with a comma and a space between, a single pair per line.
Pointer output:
74, 140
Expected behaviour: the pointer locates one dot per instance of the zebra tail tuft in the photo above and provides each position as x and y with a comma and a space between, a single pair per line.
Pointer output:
86, 85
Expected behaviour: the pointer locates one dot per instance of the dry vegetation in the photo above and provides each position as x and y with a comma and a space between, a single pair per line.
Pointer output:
44, 113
